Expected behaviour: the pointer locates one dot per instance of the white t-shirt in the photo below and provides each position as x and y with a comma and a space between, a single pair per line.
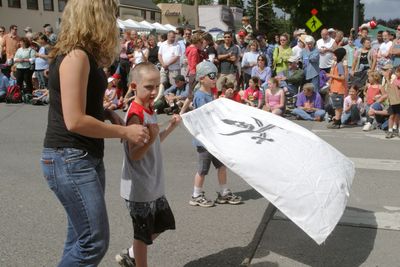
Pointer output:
168, 51
296, 52
326, 59
384, 48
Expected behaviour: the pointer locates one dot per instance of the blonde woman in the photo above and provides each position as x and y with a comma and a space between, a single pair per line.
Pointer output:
282, 54
72, 158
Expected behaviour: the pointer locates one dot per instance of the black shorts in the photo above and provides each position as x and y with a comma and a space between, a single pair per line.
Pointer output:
150, 218
205, 159
394, 109
337, 100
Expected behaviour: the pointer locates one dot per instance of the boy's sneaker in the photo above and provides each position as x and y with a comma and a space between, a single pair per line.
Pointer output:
201, 201
228, 198
390, 135
124, 259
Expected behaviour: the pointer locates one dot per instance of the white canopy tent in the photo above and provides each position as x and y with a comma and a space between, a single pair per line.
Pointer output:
160, 28
144, 26
147, 25
170, 27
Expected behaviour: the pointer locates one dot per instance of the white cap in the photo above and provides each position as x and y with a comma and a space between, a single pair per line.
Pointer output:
331, 30
110, 79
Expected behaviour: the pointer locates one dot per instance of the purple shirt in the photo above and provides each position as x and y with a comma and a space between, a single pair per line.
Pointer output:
315, 99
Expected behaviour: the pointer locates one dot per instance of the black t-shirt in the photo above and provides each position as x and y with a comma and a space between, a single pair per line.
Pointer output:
57, 135
228, 67
153, 55
364, 58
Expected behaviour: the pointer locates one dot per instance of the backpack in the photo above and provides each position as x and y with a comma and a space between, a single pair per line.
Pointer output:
13, 94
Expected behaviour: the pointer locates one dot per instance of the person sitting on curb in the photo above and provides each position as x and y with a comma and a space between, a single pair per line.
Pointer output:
292, 78
309, 104
174, 97
353, 107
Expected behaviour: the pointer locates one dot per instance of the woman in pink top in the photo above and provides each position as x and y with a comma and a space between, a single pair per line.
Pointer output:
274, 98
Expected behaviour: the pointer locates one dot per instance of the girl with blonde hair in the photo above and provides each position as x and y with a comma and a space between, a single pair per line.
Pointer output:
72, 158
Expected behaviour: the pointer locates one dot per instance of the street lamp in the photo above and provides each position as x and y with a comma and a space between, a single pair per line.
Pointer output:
257, 10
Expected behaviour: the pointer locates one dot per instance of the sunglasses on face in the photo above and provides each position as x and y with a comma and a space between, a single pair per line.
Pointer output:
212, 75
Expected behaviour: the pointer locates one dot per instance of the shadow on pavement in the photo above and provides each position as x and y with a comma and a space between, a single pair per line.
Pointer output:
284, 244
237, 256
249, 194
346, 246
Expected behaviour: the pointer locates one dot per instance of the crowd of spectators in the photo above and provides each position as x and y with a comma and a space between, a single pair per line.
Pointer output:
342, 79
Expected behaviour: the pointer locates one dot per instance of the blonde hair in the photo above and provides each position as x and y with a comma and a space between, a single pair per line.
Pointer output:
196, 38
90, 25
376, 77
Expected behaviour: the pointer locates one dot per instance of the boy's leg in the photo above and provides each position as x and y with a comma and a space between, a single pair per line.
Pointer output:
140, 250
222, 177
225, 195
198, 198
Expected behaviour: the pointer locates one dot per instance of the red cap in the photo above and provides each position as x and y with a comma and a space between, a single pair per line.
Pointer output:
242, 33
116, 76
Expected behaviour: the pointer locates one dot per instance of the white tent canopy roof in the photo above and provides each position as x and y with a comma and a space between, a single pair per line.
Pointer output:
170, 27
144, 25
147, 24
160, 27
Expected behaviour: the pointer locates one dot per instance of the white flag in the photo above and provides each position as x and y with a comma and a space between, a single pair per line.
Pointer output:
303, 176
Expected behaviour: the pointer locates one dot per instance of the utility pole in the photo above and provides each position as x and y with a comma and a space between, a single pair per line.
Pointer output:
257, 15
258, 10
196, 20
356, 12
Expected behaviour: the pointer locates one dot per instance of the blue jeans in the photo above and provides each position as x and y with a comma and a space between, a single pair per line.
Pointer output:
41, 78
308, 116
78, 181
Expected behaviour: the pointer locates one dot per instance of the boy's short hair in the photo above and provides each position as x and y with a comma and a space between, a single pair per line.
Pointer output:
137, 71
308, 87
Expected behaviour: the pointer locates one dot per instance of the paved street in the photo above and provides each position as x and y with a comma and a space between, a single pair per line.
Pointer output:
32, 224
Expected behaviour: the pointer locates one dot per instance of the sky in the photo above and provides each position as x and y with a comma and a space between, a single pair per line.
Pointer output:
381, 9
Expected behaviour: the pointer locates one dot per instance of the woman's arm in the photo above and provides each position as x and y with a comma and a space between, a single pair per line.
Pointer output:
282, 99
74, 73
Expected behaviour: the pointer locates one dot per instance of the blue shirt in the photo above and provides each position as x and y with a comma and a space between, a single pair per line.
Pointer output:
3, 83
183, 91
200, 98
41, 63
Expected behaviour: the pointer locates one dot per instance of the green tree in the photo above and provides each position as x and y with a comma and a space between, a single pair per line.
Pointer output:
332, 13
268, 22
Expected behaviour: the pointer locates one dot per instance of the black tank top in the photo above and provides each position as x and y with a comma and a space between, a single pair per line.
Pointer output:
57, 135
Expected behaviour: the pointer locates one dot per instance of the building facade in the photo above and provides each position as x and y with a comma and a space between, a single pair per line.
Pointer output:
139, 10
36, 13
177, 14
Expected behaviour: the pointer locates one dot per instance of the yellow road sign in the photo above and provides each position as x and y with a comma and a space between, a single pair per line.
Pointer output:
313, 23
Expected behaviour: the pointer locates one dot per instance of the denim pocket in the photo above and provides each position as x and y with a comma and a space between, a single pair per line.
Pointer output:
48, 169
74, 154
81, 166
